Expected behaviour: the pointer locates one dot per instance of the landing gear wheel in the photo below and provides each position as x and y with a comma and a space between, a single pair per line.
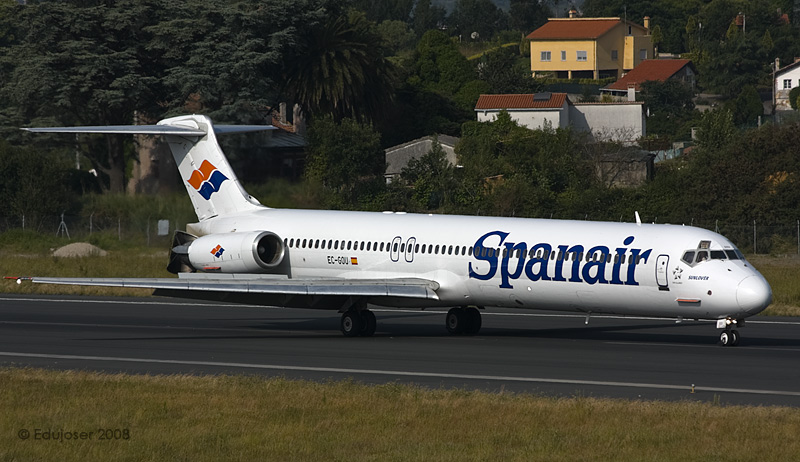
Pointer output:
734, 337
725, 338
351, 323
368, 323
473, 318
455, 321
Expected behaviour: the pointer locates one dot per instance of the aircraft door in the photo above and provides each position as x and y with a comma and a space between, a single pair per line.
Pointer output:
410, 249
662, 263
394, 249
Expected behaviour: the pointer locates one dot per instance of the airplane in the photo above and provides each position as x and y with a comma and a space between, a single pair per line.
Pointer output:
245, 252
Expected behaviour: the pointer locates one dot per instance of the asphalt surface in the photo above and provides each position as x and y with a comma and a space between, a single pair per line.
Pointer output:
539, 352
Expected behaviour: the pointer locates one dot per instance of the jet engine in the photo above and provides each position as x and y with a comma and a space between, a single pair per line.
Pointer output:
245, 252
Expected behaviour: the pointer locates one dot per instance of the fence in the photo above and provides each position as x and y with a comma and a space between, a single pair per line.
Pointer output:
151, 231
156, 231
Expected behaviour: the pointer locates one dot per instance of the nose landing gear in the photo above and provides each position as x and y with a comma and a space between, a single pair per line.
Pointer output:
729, 336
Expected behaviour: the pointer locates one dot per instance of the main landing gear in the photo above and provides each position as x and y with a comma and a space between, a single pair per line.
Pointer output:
729, 336
463, 320
358, 323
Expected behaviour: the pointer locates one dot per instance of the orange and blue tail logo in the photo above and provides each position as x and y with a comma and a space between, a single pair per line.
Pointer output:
207, 179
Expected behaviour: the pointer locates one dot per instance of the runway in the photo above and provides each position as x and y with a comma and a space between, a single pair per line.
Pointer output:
539, 352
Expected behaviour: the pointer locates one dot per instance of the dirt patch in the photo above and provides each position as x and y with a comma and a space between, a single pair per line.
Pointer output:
80, 249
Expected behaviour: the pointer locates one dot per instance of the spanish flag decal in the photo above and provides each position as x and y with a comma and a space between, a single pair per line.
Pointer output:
353, 261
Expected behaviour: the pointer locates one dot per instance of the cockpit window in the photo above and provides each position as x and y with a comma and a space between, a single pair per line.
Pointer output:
701, 256
688, 257
718, 255
734, 254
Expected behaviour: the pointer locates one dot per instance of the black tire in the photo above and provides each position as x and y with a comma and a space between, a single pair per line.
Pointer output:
455, 321
724, 338
473, 321
368, 323
351, 323
735, 337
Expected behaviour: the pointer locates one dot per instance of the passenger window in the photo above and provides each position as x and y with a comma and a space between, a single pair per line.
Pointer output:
701, 256
437, 250
463, 250
469, 252
304, 243
450, 250
395, 247
369, 246
362, 245
403, 247
416, 248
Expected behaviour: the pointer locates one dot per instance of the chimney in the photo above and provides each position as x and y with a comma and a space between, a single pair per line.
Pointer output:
647, 22
282, 109
298, 120
573, 13
631, 92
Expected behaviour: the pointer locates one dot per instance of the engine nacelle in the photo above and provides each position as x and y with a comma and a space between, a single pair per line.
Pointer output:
249, 252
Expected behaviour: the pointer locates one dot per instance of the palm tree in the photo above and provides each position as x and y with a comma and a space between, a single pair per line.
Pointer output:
341, 70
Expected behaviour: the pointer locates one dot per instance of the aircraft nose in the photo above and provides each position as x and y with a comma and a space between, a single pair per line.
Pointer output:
754, 294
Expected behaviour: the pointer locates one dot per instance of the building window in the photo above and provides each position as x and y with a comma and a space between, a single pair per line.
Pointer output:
787, 84
545, 56
581, 56
614, 55
563, 55
643, 53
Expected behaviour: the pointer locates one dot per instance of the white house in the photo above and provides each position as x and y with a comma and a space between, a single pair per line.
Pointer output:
785, 79
624, 121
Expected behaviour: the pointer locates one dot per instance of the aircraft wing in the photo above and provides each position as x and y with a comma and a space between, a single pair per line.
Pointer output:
409, 288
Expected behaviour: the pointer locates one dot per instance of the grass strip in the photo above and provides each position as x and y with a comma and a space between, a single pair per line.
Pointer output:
182, 417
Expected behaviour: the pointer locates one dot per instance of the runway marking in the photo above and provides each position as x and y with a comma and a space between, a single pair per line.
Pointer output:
437, 375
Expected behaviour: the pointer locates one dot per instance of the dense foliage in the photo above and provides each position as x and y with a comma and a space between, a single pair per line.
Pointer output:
372, 74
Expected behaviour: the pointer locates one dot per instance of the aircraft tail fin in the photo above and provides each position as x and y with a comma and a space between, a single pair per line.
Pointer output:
208, 177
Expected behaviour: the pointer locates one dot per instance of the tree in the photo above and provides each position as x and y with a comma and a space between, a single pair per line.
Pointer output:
345, 158
477, 16
502, 71
432, 178
747, 106
81, 66
438, 65
23, 189
669, 105
427, 17
716, 129
527, 15
341, 69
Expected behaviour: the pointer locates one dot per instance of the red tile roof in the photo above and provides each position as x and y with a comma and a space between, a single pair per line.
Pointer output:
574, 28
526, 101
649, 69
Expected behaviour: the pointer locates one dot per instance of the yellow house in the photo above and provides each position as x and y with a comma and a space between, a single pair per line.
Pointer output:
592, 48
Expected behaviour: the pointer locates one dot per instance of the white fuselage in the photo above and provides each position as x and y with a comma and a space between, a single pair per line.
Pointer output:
593, 267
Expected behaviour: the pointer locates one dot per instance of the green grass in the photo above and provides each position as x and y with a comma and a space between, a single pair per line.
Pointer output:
250, 418
783, 274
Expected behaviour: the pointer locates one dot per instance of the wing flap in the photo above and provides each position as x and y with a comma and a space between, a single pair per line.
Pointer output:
397, 288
